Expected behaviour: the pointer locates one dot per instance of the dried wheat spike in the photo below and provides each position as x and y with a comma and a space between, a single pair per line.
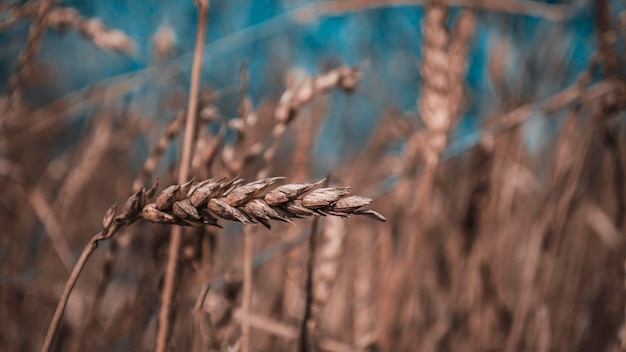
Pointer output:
345, 78
248, 203
63, 18
457, 59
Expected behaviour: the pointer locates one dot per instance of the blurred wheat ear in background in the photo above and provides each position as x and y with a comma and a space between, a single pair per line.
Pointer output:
313, 176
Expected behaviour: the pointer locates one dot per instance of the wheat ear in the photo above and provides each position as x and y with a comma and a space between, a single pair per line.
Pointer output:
206, 201
201, 202
345, 78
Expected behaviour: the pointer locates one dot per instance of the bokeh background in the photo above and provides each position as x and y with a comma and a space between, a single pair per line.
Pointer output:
514, 241
540, 57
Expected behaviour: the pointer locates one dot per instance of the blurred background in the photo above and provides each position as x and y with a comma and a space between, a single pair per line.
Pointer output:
489, 133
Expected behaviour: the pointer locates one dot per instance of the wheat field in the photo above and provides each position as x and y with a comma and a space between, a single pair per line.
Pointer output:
356, 175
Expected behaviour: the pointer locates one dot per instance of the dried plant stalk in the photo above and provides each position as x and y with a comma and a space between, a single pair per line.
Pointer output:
63, 18
208, 145
172, 130
102, 282
307, 327
294, 98
459, 44
110, 225
246, 299
305, 132
363, 289
230, 200
299, 94
183, 172
87, 164
23, 69
434, 105
606, 37
53, 229
248, 143
443, 70
327, 264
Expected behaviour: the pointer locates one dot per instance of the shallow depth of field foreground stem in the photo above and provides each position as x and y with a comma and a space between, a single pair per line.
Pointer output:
183, 172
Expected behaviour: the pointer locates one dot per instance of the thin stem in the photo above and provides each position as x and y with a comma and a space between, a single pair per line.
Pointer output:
247, 289
199, 334
605, 34
183, 174
24, 62
308, 322
45, 213
202, 296
104, 278
78, 268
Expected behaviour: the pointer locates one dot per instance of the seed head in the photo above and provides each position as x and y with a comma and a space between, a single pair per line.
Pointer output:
202, 202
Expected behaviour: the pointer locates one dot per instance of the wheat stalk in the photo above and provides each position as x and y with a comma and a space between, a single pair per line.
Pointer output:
45, 15
363, 289
111, 224
171, 131
201, 202
96, 146
434, 105
183, 173
462, 34
23, 69
294, 98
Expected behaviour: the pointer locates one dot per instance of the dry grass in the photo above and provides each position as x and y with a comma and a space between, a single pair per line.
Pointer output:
495, 248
